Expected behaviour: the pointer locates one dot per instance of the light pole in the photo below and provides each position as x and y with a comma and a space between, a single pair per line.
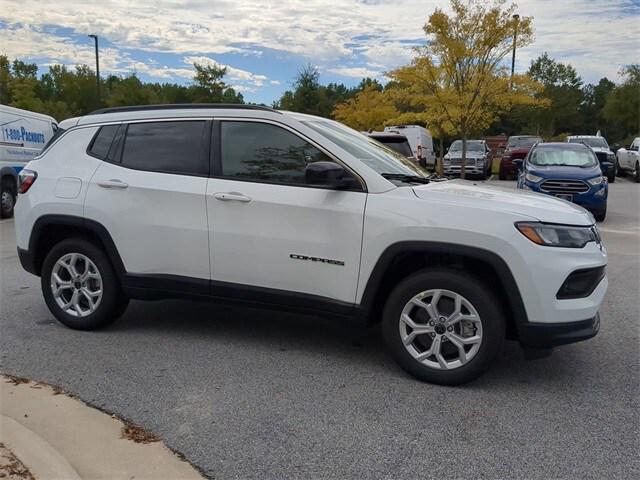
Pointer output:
95, 40
516, 17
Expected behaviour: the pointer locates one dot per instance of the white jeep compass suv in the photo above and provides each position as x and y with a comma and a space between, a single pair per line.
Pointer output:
284, 210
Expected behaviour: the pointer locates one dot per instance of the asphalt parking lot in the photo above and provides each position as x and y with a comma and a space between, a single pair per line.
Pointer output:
244, 393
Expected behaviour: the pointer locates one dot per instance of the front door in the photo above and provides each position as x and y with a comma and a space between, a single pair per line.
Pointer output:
268, 228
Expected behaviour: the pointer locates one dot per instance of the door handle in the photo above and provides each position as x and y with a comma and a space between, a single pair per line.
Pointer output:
231, 196
113, 183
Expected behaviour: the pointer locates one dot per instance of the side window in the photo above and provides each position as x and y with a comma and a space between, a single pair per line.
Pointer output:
634, 146
169, 147
265, 153
102, 141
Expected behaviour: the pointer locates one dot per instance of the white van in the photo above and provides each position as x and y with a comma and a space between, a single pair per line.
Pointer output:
23, 135
420, 140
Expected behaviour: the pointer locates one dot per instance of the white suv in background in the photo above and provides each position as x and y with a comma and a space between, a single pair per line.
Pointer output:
284, 210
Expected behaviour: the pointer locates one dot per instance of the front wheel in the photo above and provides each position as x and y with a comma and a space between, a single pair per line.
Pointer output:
443, 326
636, 177
80, 286
619, 171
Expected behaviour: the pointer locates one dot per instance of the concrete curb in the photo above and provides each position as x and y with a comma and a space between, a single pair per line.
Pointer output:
42, 460
59, 437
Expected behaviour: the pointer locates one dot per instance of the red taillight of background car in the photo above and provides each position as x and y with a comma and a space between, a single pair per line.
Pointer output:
27, 178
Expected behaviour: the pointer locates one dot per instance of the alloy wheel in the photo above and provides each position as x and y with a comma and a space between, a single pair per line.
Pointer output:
440, 329
76, 284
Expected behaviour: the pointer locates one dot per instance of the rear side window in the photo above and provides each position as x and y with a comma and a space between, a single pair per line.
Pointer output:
170, 147
102, 141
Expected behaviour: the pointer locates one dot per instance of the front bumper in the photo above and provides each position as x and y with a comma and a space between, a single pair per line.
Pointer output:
594, 200
454, 170
549, 335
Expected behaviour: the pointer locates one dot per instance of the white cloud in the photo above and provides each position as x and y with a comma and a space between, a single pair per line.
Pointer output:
596, 36
355, 72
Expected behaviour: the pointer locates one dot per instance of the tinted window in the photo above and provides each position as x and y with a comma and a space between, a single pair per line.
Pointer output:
172, 147
264, 152
102, 141
595, 142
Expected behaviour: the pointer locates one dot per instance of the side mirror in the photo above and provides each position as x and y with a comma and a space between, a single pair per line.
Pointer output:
519, 163
331, 175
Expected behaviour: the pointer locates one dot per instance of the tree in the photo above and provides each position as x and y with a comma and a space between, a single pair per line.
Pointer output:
459, 74
622, 106
593, 100
563, 91
210, 88
368, 110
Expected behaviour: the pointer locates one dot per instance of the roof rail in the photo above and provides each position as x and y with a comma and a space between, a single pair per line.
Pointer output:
175, 106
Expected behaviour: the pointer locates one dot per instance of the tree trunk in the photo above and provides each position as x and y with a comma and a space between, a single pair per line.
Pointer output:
464, 155
440, 170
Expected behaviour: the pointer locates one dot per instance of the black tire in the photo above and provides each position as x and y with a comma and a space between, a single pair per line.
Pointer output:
502, 175
7, 197
612, 176
636, 177
600, 216
619, 171
112, 304
471, 288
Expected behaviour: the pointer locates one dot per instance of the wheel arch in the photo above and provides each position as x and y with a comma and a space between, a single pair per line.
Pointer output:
49, 230
404, 258
9, 173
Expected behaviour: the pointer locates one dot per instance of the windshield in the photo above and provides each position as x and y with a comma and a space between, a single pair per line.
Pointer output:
400, 146
372, 153
522, 141
594, 142
569, 157
472, 146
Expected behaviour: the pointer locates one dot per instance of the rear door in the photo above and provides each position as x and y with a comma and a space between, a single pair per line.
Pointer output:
149, 193
268, 228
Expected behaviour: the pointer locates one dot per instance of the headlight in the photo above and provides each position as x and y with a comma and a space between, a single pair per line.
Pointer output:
552, 235
596, 180
611, 157
532, 178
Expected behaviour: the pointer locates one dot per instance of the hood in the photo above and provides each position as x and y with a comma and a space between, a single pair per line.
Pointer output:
518, 152
559, 171
528, 204
602, 150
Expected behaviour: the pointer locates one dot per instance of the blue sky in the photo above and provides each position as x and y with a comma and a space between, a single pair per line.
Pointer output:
264, 43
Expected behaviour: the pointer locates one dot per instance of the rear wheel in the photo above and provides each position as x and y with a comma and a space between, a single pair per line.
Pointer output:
80, 286
443, 326
7, 197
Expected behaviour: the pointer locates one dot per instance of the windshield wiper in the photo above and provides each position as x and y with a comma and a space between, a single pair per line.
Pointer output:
405, 178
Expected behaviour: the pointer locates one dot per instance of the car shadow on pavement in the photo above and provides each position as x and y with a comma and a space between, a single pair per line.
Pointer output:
276, 331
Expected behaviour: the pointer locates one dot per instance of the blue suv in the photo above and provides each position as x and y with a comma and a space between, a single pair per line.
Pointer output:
569, 171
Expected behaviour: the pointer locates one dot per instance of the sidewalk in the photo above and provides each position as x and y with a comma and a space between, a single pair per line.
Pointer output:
58, 437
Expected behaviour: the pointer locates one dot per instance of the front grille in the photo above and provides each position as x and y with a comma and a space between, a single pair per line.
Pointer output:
602, 156
458, 161
564, 187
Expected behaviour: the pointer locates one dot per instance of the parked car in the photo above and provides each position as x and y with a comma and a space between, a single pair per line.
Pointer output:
518, 147
477, 163
396, 142
568, 171
628, 160
291, 211
421, 143
600, 147
23, 135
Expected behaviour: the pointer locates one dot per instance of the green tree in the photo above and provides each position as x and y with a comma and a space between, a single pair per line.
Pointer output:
563, 90
622, 106
210, 88
5, 79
